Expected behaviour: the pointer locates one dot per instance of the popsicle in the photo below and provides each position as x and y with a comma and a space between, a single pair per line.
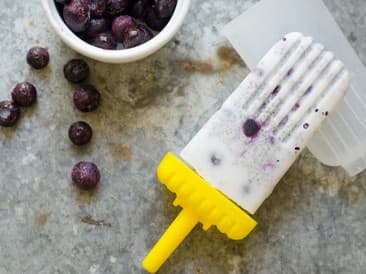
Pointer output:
233, 163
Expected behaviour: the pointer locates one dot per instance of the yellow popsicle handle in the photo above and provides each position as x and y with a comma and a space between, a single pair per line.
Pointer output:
171, 239
201, 203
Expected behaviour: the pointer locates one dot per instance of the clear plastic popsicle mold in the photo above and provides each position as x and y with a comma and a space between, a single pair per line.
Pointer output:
341, 141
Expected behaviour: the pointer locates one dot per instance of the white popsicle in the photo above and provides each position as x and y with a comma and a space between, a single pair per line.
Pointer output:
252, 140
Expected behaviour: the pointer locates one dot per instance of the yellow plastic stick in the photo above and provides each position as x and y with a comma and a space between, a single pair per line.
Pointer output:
171, 239
201, 203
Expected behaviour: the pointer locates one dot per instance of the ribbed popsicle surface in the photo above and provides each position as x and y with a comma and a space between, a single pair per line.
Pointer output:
250, 142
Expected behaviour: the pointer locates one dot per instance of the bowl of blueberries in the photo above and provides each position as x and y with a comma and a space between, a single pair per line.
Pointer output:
116, 31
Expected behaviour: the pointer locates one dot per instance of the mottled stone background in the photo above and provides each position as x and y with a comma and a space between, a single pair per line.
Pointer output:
315, 221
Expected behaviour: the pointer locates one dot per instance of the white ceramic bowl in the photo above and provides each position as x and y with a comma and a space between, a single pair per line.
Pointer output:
116, 56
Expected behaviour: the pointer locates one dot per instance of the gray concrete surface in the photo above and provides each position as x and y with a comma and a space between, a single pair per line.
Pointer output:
314, 222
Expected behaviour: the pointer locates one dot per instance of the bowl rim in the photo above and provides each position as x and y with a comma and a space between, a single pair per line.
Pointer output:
116, 56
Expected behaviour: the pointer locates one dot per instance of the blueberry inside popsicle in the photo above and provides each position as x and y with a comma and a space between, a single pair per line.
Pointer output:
234, 162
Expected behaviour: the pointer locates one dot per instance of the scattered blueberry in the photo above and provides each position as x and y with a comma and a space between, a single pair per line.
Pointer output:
164, 8
97, 7
135, 36
115, 7
38, 57
85, 175
96, 26
86, 98
104, 40
76, 70
77, 15
316, 110
306, 126
9, 113
250, 128
24, 94
215, 160
120, 26
153, 21
80, 133
297, 148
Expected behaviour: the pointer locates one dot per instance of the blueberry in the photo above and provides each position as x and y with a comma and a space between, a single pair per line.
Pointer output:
262, 106
115, 7
24, 94
9, 113
215, 160
98, 7
308, 90
153, 21
77, 15
38, 57
85, 175
97, 25
104, 40
135, 36
86, 98
121, 24
276, 90
250, 128
76, 70
295, 107
289, 72
164, 8
80, 133
139, 8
